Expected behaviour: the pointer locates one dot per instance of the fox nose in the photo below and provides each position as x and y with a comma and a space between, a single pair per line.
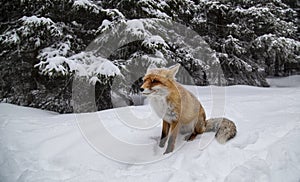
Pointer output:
142, 89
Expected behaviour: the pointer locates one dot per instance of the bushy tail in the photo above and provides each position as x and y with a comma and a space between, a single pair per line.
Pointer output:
225, 129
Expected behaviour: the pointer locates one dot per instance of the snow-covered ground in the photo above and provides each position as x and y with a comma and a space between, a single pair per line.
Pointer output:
37, 145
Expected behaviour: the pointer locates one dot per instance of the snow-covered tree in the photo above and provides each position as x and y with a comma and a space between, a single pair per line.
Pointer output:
41, 47
277, 54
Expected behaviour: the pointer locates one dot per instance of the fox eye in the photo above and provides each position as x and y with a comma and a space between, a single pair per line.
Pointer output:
154, 81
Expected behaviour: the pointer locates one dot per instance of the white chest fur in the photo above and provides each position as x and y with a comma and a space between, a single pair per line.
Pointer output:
163, 109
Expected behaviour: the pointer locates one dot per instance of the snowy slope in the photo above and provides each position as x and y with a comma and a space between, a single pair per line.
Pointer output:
37, 145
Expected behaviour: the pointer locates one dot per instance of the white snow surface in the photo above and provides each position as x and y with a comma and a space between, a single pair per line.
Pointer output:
289, 81
37, 145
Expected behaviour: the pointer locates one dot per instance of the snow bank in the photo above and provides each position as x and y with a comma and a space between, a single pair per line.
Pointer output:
37, 145
290, 81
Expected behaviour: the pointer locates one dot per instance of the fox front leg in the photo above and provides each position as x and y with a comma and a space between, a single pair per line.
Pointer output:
164, 133
172, 139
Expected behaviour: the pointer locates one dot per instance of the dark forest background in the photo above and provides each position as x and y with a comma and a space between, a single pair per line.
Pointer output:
251, 39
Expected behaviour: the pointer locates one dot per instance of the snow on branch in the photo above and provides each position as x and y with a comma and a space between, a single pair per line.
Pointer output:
135, 27
114, 13
84, 64
154, 42
282, 44
10, 37
37, 28
86, 4
33, 22
36, 20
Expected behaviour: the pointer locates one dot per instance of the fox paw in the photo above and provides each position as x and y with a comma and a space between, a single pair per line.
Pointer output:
169, 150
162, 142
161, 145
191, 137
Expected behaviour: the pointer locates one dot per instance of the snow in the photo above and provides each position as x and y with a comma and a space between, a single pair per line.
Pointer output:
154, 59
115, 13
36, 20
27, 29
105, 24
62, 49
274, 42
154, 41
10, 37
155, 12
83, 64
149, 6
38, 145
32, 22
136, 28
86, 4
285, 81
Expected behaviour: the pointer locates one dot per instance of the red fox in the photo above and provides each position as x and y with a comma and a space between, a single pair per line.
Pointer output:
180, 109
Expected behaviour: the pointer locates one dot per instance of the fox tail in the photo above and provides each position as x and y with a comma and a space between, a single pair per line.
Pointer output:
225, 129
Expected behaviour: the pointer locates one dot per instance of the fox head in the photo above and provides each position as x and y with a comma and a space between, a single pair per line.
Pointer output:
159, 81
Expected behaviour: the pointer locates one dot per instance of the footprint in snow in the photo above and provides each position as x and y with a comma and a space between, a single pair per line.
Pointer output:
243, 141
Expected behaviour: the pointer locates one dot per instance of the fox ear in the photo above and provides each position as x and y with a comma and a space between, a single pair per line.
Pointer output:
152, 66
173, 70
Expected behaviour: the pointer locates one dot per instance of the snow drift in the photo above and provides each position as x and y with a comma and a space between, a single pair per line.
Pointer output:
38, 145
